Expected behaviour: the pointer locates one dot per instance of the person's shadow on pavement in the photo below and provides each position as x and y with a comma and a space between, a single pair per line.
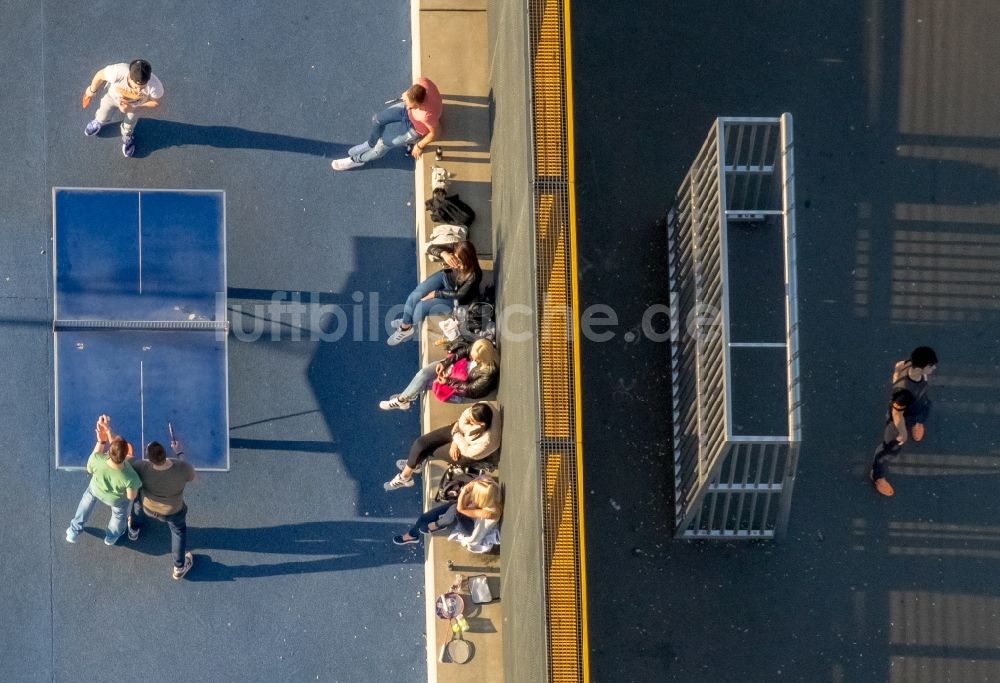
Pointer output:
156, 134
342, 544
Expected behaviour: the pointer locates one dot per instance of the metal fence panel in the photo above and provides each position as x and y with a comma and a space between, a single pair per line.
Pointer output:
728, 483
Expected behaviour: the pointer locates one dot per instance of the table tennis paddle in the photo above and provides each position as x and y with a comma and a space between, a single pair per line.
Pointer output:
173, 441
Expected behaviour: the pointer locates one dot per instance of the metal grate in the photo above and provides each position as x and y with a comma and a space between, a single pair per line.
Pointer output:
565, 584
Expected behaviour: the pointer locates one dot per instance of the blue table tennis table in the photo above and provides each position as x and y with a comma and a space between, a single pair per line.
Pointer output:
139, 328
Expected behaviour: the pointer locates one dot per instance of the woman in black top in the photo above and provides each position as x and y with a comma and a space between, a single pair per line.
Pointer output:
457, 282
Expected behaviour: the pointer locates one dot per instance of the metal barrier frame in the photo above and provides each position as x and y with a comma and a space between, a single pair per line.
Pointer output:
726, 485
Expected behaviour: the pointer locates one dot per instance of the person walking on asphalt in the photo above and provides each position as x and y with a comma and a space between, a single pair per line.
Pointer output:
131, 89
413, 120
892, 440
163, 482
914, 376
113, 481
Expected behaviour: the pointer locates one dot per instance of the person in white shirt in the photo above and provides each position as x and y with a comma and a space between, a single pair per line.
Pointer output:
474, 436
131, 90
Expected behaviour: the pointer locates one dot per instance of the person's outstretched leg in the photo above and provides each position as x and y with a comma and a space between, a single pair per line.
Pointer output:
880, 466
429, 522
83, 512
118, 522
414, 308
177, 523
423, 447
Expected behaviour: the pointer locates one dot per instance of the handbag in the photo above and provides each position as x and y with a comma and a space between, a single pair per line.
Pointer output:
459, 370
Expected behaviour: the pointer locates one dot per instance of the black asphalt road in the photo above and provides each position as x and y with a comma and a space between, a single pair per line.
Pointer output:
897, 147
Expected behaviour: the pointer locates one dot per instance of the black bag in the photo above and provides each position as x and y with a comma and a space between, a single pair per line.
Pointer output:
450, 209
479, 322
452, 481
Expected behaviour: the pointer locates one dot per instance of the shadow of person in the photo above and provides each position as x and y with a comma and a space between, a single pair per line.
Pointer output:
156, 134
343, 544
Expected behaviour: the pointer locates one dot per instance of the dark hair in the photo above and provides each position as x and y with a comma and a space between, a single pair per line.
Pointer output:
902, 397
482, 413
417, 93
155, 453
465, 252
118, 450
140, 71
923, 356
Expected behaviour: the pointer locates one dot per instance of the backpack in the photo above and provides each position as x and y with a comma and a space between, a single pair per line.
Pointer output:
479, 322
450, 209
452, 481
443, 236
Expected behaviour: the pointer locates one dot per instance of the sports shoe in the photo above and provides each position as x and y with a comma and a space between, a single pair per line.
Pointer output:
409, 150
93, 128
345, 164
394, 403
107, 542
884, 487
70, 536
399, 540
128, 146
917, 432
133, 534
400, 464
397, 323
179, 572
358, 150
397, 482
400, 336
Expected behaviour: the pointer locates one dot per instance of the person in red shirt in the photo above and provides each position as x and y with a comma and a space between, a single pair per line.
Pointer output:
412, 121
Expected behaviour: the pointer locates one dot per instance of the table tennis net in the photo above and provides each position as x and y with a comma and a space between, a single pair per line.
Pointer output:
215, 325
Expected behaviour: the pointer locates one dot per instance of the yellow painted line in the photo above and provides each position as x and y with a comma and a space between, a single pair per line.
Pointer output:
571, 195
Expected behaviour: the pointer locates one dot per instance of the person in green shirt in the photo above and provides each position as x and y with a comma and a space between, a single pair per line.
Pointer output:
112, 482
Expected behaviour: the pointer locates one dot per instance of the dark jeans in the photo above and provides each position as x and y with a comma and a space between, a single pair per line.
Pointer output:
917, 413
467, 524
433, 444
882, 454
177, 523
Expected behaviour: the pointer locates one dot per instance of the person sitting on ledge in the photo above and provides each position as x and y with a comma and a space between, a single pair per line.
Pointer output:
474, 436
457, 283
481, 363
478, 508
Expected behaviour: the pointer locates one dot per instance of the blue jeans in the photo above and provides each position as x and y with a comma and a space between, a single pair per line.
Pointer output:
421, 382
116, 525
414, 309
391, 128
177, 523
466, 524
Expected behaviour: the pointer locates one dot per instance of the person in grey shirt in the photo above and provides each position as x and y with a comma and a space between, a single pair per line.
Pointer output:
162, 498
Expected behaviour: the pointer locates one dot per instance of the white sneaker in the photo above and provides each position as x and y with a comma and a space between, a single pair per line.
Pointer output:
400, 464
394, 403
397, 482
357, 150
345, 164
396, 323
400, 336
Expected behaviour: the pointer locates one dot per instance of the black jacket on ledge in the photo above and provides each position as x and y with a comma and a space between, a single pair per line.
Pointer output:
480, 381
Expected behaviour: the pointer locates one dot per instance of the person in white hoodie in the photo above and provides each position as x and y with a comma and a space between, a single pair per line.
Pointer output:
475, 436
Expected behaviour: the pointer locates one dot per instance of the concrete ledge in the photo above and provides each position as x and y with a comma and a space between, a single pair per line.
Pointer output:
449, 39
